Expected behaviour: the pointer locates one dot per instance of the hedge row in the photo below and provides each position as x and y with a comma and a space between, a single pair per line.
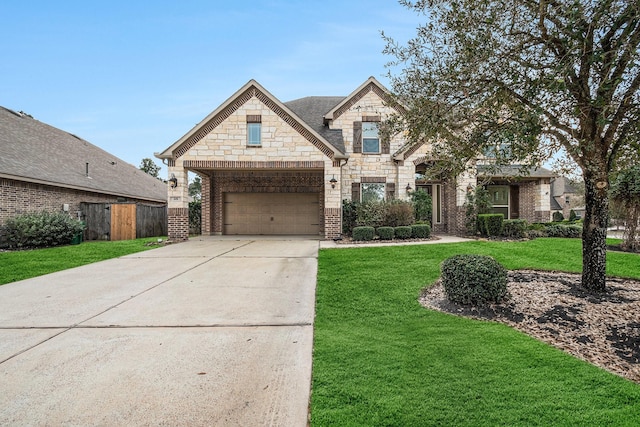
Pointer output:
420, 231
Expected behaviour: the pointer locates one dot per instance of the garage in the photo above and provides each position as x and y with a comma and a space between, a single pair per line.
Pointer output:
271, 213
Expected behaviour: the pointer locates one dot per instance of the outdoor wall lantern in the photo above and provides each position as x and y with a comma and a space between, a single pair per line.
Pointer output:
173, 181
408, 188
333, 182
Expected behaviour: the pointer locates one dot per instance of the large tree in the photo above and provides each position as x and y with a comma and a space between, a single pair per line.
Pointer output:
527, 79
148, 166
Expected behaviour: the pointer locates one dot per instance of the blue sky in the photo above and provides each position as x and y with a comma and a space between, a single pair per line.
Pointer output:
133, 77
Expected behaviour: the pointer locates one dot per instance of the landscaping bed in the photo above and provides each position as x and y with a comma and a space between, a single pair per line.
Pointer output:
602, 329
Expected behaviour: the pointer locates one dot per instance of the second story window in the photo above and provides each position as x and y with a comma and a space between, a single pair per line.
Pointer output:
370, 138
254, 130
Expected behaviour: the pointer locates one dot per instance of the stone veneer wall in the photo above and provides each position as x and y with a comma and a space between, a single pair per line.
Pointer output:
263, 182
19, 197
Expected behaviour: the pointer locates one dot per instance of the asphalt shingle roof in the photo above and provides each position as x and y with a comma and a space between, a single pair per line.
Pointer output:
312, 109
34, 151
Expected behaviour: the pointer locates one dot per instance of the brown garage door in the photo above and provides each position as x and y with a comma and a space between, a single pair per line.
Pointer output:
271, 213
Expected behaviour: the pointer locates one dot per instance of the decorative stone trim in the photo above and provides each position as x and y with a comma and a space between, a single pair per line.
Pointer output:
371, 87
234, 106
373, 179
226, 164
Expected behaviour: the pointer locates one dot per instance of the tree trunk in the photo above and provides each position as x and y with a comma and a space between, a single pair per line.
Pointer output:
594, 232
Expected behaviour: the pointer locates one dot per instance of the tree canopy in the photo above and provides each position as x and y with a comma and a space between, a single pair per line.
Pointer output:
148, 166
522, 80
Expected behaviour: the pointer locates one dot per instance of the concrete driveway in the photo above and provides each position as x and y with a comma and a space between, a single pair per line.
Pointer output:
213, 331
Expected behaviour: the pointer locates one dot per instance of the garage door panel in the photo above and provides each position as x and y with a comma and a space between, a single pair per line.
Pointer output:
271, 213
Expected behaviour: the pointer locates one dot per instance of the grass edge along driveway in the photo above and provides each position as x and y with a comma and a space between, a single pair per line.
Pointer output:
20, 265
382, 359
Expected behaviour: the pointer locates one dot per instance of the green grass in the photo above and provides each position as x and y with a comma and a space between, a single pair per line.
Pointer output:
380, 359
20, 265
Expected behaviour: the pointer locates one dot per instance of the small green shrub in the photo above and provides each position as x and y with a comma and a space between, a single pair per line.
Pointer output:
363, 233
534, 233
557, 216
398, 213
473, 279
420, 231
572, 215
385, 233
514, 228
490, 224
41, 229
402, 232
563, 230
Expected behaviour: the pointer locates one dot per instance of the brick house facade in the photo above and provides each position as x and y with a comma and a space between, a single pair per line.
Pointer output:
45, 168
269, 167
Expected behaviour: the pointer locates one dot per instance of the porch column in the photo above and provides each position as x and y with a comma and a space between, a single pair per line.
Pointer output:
332, 201
178, 203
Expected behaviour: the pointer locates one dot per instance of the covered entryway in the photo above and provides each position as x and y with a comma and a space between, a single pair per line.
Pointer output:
271, 213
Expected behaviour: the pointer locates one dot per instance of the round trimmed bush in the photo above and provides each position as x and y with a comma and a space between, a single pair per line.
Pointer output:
402, 232
473, 279
363, 233
421, 231
385, 233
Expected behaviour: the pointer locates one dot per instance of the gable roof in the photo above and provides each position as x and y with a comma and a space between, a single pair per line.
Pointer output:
312, 109
248, 91
370, 85
514, 171
33, 151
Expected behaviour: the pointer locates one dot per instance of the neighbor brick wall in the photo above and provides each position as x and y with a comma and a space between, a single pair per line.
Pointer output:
18, 197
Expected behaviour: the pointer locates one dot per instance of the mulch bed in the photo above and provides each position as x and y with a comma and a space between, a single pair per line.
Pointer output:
603, 329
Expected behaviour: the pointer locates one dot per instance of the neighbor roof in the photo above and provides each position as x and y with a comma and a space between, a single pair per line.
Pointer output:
33, 151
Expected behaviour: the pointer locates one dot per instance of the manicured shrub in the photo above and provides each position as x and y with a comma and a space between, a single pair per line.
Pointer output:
41, 229
420, 231
402, 232
563, 230
572, 215
385, 233
514, 228
534, 233
473, 279
557, 217
490, 224
363, 233
398, 213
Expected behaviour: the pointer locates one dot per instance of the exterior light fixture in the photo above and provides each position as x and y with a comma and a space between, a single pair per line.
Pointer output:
408, 188
333, 182
173, 181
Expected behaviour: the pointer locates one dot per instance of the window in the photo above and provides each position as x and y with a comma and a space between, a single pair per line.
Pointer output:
372, 192
499, 198
370, 139
254, 130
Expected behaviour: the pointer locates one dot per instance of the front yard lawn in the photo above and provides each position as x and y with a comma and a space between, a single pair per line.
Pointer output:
380, 358
20, 265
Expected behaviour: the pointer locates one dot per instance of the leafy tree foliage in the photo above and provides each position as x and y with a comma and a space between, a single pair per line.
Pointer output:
148, 166
625, 193
195, 188
521, 79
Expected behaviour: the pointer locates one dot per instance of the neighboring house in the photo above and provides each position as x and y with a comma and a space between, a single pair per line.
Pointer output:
272, 167
564, 198
45, 168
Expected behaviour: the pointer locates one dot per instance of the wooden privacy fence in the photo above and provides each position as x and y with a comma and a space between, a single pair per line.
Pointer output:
123, 221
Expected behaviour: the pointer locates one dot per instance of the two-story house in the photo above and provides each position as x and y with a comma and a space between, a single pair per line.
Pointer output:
272, 167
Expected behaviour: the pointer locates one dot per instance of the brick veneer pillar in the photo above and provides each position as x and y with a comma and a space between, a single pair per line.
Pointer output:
332, 223
178, 224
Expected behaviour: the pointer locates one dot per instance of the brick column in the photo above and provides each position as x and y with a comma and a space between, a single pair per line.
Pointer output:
332, 223
206, 205
178, 223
